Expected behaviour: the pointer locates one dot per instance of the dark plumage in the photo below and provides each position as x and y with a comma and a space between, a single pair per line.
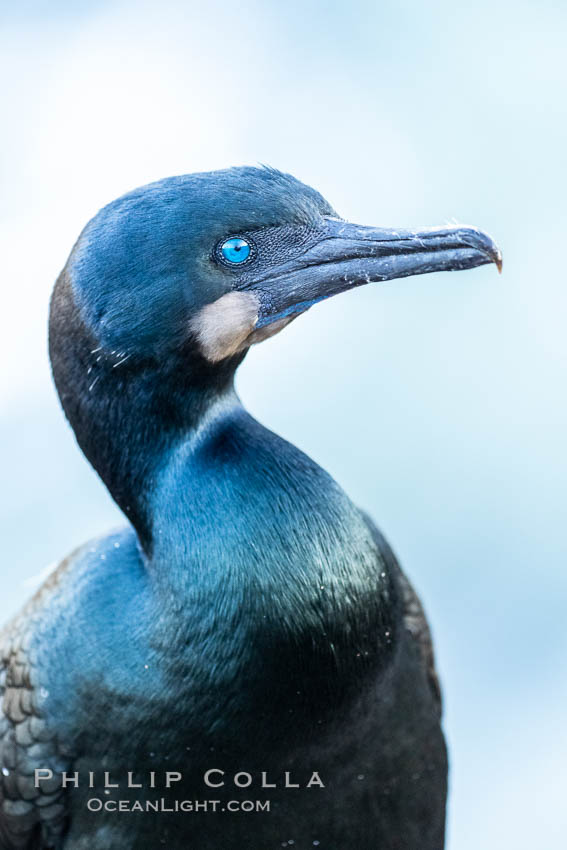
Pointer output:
249, 617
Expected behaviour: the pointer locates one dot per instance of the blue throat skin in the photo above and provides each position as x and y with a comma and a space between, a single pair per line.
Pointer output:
249, 617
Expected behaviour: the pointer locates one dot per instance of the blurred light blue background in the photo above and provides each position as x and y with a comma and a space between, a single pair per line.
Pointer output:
437, 402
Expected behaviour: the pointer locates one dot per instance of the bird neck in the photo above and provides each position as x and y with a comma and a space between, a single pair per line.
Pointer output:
250, 546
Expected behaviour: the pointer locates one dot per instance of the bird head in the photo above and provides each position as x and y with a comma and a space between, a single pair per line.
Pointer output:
168, 287
212, 263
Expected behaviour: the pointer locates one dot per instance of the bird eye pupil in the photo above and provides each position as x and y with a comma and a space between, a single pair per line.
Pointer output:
235, 250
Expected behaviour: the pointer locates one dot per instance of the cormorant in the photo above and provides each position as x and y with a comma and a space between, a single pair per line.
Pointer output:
249, 639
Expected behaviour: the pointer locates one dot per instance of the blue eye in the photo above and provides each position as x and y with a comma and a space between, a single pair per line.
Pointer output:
235, 250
